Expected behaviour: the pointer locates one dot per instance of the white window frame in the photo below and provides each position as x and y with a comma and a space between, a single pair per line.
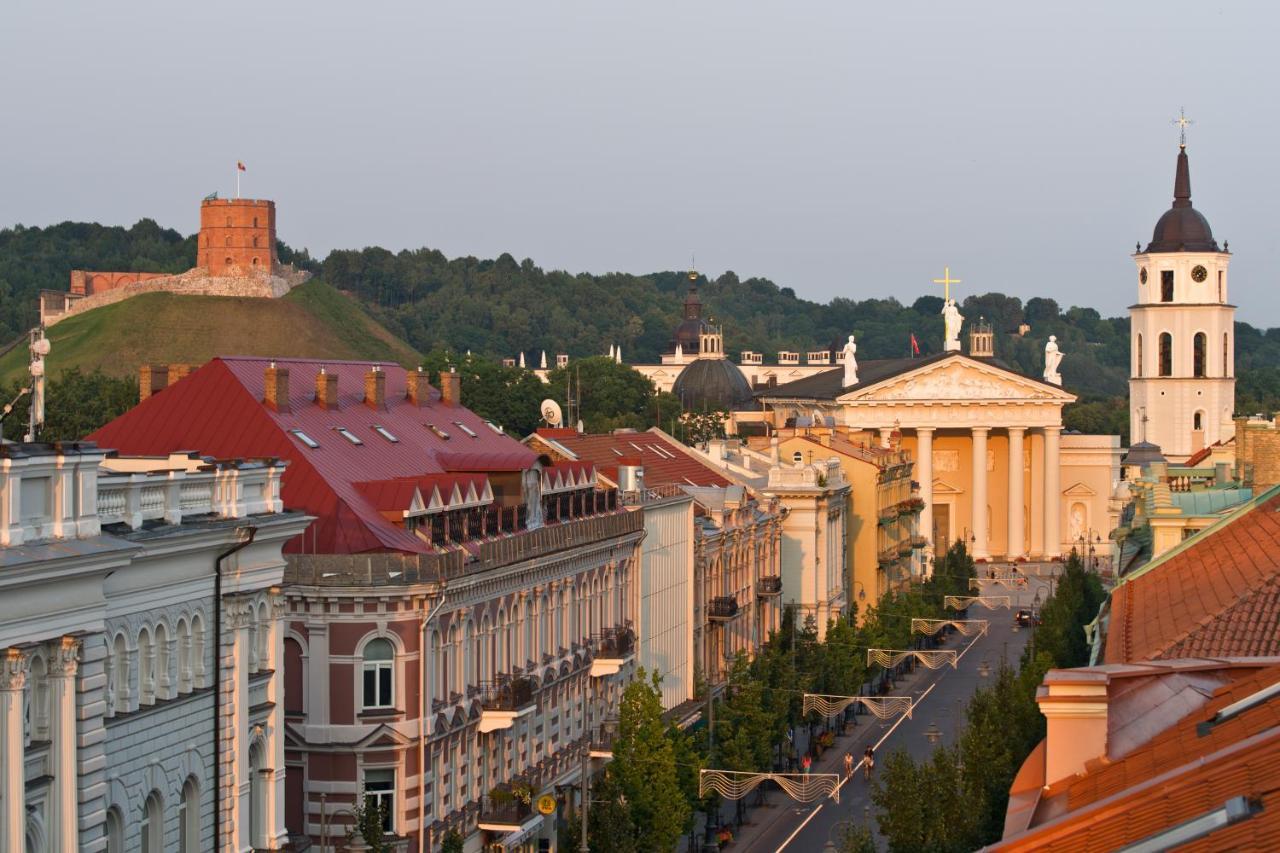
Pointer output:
381, 794
377, 667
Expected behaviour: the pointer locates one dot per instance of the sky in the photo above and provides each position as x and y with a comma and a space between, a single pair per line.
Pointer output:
840, 149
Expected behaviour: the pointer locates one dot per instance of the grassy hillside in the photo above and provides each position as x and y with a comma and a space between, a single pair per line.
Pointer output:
312, 321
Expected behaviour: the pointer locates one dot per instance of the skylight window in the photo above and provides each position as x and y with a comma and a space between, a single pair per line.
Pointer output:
385, 433
305, 439
499, 430
468, 430
439, 432
616, 451
348, 435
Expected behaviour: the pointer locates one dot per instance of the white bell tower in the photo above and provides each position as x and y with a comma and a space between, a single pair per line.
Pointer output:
1182, 333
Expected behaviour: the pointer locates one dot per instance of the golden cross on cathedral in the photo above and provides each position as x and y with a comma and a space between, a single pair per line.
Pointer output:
1182, 123
946, 281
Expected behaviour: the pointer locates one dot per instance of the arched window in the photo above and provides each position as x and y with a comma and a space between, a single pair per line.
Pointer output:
255, 261
264, 636
294, 677
228, 221
1197, 420
797, 457
162, 682
37, 699
185, 670
152, 829
1166, 354
1139, 347
254, 629
1166, 286
146, 669
197, 651
255, 237
379, 664
120, 662
438, 688
115, 831
453, 658
500, 652
189, 817
471, 652
228, 243
1199, 352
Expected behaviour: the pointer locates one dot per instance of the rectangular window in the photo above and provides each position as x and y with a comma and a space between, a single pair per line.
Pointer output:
385, 433
348, 435
380, 795
305, 439
1166, 285
377, 684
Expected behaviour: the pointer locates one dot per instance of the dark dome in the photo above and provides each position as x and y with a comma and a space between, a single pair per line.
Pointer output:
712, 383
1143, 454
688, 335
1182, 228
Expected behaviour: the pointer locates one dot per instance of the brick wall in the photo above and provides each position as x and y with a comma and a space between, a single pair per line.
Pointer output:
237, 236
1257, 453
88, 283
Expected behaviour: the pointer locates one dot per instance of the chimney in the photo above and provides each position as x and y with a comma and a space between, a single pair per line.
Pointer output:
152, 379
327, 389
1074, 704
375, 388
450, 388
630, 474
416, 388
275, 385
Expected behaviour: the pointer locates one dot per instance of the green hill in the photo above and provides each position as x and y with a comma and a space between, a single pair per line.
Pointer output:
314, 320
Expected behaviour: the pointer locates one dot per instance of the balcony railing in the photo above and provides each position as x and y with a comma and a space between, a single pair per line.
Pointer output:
602, 738
722, 608
769, 585
511, 694
504, 813
616, 643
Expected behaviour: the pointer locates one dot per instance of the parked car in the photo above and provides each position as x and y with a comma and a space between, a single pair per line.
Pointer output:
1027, 617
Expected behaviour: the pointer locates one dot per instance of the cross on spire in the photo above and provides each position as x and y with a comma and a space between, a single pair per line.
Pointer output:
1182, 123
946, 281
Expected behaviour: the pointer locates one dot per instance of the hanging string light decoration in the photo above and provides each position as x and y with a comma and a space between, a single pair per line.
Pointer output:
802, 787
991, 602
965, 627
883, 707
932, 658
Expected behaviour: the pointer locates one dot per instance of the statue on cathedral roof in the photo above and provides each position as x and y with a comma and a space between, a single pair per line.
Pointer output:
850, 363
952, 321
1052, 358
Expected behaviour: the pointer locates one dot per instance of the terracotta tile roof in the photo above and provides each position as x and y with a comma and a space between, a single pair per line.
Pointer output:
664, 459
218, 410
1183, 772
1215, 595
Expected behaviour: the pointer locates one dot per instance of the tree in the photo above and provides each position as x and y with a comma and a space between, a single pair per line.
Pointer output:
452, 842
644, 766
610, 395
923, 806
76, 404
609, 825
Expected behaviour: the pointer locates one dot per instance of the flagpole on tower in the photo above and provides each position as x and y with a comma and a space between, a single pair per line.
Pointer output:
237, 180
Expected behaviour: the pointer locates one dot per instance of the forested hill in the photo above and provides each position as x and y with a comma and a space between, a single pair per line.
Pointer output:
502, 306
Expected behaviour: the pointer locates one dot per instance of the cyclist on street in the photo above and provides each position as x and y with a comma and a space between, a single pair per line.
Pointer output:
868, 762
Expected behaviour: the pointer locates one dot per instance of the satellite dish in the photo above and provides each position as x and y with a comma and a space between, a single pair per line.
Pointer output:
551, 413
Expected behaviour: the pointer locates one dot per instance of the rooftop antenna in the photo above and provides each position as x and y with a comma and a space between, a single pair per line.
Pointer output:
1182, 123
39, 346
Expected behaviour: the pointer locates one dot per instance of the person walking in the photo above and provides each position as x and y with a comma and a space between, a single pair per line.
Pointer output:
868, 762
806, 763
848, 764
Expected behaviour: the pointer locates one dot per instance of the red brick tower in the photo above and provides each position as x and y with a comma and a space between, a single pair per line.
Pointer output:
237, 236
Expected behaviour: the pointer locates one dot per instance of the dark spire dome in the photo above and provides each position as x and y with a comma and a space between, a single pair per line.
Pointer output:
689, 331
1182, 228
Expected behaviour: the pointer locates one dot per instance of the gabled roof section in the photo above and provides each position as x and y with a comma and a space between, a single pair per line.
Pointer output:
1213, 595
218, 410
665, 461
978, 378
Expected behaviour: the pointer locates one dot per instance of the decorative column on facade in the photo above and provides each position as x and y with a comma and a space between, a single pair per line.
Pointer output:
885, 434
13, 812
924, 474
275, 728
979, 508
63, 663
233, 780
1052, 493
1017, 535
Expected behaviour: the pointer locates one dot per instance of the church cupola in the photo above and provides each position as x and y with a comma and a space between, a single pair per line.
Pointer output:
688, 333
1182, 228
982, 340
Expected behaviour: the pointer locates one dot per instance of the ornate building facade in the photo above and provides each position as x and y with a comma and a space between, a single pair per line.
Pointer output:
141, 623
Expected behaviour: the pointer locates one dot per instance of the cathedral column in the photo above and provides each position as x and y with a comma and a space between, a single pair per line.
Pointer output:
13, 812
885, 433
1017, 536
63, 811
1052, 493
924, 475
979, 506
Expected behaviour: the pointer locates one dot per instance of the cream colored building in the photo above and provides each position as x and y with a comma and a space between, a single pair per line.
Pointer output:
992, 462
1182, 381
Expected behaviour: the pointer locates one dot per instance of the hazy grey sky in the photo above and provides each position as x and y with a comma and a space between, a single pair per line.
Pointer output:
837, 148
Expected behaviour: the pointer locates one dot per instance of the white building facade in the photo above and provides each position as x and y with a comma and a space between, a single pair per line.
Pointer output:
140, 623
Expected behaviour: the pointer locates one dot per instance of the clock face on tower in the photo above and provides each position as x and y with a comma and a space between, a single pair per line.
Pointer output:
1142, 275
1199, 273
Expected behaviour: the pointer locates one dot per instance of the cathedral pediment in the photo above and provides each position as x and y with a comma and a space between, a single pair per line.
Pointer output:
1079, 490
957, 379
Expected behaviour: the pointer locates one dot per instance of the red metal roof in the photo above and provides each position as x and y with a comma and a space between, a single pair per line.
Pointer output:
1181, 773
1217, 595
218, 411
664, 459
